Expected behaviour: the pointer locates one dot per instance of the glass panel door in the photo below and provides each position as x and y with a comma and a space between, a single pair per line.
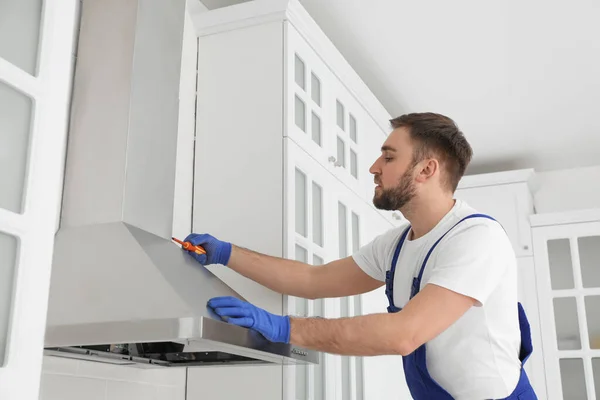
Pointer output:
307, 105
349, 240
568, 274
36, 60
307, 242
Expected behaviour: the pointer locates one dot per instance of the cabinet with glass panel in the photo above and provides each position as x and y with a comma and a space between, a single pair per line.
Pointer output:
567, 263
324, 221
285, 127
36, 47
325, 119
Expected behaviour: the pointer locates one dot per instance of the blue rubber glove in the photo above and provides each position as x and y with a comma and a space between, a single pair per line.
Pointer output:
217, 252
275, 328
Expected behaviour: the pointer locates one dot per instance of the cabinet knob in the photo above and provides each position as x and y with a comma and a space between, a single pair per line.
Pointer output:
525, 247
333, 160
396, 216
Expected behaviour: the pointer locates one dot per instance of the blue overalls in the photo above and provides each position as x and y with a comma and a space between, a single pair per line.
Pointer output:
421, 385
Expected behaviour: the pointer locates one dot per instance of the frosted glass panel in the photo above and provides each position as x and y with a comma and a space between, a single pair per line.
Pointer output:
317, 260
567, 325
316, 129
299, 72
340, 115
343, 230
15, 128
301, 304
8, 258
317, 214
353, 128
589, 257
301, 382
592, 311
572, 378
319, 386
341, 152
300, 208
301, 254
353, 164
19, 32
346, 383
355, 232
561, 267
596, 371
300, 114
315, 90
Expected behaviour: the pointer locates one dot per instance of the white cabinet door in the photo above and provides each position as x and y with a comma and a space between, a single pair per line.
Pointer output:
349, 218
383, 376
348, 127
568, 282
307, 197
511, 205
308, 98
321, 116
36, 47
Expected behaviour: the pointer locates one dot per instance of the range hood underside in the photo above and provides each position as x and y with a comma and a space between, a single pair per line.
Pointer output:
183, 342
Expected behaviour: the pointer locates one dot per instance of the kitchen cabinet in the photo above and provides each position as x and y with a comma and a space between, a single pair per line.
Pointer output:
285, 135
35, 76
506, 196
567, 269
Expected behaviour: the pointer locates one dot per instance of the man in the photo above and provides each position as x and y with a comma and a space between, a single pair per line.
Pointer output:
450, 276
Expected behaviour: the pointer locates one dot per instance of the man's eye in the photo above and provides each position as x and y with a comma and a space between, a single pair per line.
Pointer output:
388, 159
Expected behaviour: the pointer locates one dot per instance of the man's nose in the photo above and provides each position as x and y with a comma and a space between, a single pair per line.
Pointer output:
375, 170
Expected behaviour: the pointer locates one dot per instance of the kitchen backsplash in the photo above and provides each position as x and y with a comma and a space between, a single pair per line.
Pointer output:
67, 379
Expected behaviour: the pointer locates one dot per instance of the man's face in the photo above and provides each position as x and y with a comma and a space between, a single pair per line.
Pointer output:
394, 172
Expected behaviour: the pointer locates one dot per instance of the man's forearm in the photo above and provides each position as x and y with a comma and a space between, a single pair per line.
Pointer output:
278, 274
368, 335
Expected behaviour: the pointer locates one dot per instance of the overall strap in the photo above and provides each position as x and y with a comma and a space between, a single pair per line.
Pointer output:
418, 279
389, 275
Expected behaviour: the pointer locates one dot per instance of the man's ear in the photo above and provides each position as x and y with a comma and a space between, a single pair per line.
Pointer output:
427, 169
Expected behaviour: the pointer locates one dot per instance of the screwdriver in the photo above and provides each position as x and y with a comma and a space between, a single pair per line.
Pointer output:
190, 247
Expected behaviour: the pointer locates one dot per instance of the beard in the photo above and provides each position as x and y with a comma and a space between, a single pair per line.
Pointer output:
395, 198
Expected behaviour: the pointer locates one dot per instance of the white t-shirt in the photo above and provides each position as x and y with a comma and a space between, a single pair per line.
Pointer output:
477, 356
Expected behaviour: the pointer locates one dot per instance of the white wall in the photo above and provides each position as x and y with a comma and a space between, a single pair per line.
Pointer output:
234, 382
569, 189
66, 379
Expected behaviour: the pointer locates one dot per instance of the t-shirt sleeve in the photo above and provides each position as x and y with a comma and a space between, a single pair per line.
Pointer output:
472, 261
375, 257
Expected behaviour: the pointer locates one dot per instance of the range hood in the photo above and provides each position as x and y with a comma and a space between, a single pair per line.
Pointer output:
121, 291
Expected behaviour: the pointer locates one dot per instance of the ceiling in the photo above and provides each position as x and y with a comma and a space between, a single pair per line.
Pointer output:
520, 78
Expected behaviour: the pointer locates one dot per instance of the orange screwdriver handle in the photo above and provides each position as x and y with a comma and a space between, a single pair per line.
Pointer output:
190, 247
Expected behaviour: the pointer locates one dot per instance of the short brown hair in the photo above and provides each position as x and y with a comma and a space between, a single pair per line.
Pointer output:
436, 134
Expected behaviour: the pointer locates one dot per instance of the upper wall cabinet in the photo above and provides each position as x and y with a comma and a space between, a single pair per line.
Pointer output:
506, 196
285, 135
296, 82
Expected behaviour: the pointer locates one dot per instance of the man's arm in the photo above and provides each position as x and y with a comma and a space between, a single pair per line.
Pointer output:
425, 316
336, 279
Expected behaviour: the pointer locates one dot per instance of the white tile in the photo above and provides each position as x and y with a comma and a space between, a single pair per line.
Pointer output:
110, 371
171, 376
65, 387
130, 391
170, 393
257, 382
59, 365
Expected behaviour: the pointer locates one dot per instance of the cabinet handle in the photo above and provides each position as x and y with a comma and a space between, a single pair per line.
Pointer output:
333, 160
